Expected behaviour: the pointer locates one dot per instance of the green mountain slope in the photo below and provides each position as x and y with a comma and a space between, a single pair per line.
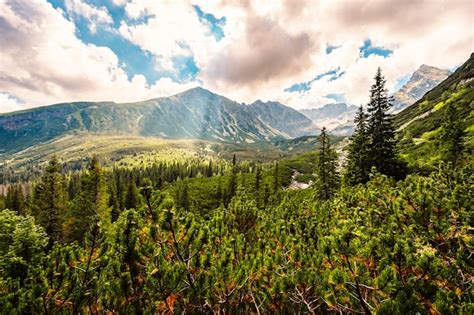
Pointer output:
194, 114
420, 125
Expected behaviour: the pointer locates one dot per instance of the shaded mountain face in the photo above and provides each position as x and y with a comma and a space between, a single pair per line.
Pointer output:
337, 118
285, 119
420, 125
423, 80
194, 114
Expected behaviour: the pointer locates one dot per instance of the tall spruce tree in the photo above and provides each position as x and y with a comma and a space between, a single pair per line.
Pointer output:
15, 200
114, 202
132, 199
182, 195
258, 181
327, 177
74, 185
358, 163
49, 201
382, 150
232, 186
91, 204
209, 169
452, 135
276, 178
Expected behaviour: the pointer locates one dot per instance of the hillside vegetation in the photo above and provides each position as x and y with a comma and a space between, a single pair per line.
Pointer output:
420, 125
188, 246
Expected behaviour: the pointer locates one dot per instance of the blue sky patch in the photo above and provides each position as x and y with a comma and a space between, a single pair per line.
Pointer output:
336, 75
337, 97
132, 59
401, 81
57, 3
305, 86
215, 25
330, 48
186, 67
368, 49
299, 87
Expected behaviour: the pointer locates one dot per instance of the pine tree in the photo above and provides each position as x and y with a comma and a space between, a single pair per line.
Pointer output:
327, 176
132, 199
266, 195
232, 187
20, 241
121, 193
98, 190
74, 186
358, 165
114, 202
209, 169
276, 178
89, 270
125, 264
49, 201
185, 196
382, 151
15, 200
220, 193
258, 180
182, 195
91, 203
453, 134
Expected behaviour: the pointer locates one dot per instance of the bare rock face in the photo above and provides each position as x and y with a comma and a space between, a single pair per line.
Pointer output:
423, 80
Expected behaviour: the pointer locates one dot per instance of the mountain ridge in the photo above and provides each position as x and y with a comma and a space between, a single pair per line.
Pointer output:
193, 114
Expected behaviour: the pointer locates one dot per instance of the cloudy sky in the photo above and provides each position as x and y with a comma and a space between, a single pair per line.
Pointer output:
304, 53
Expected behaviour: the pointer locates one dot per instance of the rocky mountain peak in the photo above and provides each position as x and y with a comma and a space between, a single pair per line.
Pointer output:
422, 80
430, 73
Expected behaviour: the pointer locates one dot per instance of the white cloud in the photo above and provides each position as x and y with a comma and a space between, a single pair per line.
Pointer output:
43, 62
95, 15
120, 2
8, 103
268, 46
439, 33
173, 29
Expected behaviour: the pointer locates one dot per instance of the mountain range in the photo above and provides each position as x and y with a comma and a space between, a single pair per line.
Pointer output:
338, 118
199, 114
193, 114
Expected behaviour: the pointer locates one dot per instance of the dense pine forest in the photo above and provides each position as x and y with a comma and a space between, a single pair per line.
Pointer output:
371, 234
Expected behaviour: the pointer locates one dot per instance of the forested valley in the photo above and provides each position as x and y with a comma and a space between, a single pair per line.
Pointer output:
208, 235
